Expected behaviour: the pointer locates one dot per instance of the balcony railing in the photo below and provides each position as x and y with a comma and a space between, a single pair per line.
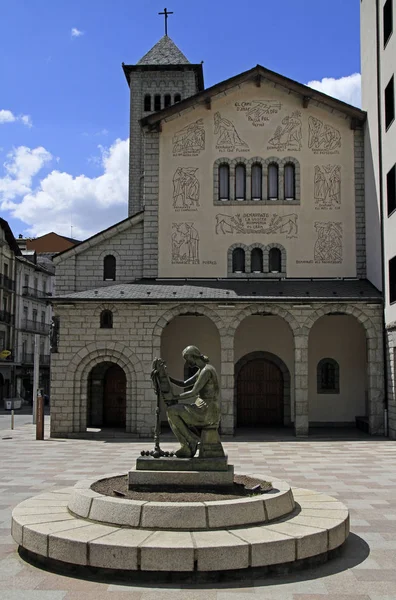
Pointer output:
9, 358
28, 359
35, 326
35, 293
6, 317
7, 282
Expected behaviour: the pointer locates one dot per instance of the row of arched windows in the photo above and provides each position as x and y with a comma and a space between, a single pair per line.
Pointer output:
256, 182
157, 102
239, 260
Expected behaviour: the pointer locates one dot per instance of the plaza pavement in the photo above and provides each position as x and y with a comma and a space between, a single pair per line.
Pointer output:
357, 469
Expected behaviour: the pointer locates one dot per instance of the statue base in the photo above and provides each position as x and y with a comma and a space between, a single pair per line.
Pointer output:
172, 463
181, 478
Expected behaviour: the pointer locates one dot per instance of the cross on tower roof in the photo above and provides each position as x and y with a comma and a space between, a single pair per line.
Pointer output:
166, 13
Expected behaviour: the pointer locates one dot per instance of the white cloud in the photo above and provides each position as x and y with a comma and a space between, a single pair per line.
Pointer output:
59, 200
6, 116
76, 32
347, 88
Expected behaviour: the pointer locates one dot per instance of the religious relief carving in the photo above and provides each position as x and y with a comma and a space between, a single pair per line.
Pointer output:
185, 244
287, 136
189, 141
186, 189
323, 138
328, 246
258, 112
327, 186
257, 223
228, 139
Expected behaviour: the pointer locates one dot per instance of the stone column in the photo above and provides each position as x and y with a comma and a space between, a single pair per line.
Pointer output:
301, 420
375, 383
227, 385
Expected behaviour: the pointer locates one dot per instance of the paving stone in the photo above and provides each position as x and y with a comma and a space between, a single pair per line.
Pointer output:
167, 551
118, 550
73, 543
35, 536
310, 540
220, 550
268, 547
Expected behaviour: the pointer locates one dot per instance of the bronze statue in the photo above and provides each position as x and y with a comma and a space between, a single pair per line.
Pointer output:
186, 419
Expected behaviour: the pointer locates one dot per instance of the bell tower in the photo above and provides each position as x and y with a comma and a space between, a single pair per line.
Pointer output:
161, 78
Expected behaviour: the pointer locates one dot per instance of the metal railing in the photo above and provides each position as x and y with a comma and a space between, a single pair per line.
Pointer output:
35, 293
7, 282
36, 326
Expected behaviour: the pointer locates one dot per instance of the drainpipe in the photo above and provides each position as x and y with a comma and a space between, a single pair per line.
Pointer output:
381, 198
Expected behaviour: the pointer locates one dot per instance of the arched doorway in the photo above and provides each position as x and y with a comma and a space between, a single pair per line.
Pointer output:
259, 392
107, 396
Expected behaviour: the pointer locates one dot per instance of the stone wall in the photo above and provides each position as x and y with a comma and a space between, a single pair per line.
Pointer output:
81, 268
136, 338
391, 373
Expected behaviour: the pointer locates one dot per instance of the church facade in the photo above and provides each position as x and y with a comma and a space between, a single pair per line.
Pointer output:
246, 237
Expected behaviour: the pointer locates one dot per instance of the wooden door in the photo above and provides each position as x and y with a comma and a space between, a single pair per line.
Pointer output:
260, 394
114, 401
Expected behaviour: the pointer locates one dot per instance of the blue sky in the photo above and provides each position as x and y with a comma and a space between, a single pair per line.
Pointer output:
64, 102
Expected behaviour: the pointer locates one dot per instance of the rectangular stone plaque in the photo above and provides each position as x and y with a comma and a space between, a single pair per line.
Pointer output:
172, 463
181, 478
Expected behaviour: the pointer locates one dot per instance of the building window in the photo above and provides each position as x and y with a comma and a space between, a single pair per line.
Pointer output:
109, 268
147, 103
224, 182
256, 260
106, 319
328, 376
43, 317
157, 102
273, 176
34, 316
389, 103
26, 281
177, 98
392, 280
391, 189
290, 182
257, 182
240, 182
387, 20
238, 260
167, 100
275, 260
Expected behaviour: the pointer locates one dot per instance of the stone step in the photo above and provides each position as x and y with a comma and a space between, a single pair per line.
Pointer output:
319, 524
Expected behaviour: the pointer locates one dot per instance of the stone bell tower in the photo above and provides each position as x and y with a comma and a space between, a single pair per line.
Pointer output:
161, 78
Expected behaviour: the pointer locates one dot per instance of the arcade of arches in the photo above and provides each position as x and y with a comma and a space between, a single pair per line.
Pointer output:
279, 365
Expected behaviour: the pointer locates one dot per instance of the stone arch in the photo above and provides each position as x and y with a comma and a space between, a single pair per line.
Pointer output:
345, 309
80, 367
268, 309
285, 373
182, 310
290, 160
283, 257
229, 260
216, 189
265, 258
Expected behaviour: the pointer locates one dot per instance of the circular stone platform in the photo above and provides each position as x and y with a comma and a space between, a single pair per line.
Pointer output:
81, 527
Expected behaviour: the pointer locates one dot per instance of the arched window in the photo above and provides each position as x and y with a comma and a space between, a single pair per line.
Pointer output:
290, 182
106, 319
224, 182
167, 100
147, 103
256, 260
275, 260
240, 182
328, 376
157, 102
257, 182
177, 98
273, 177
238, 260
109, 268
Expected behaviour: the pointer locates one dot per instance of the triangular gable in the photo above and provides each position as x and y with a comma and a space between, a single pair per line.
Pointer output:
100, 237
259, 75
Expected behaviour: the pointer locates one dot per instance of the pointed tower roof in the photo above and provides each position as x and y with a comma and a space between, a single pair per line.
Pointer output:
165, 52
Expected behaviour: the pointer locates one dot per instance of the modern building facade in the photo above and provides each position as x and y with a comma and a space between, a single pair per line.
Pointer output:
378, 64
246, 236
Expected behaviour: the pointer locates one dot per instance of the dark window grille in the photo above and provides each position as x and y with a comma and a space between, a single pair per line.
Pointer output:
275, 260
290, 182
157, 102
257, 182
238, 260
273, 183
392, 280
224, 182
256, 261
167, 100
177, 98
389, 103
328, 376
109, 268
106, 319
388, 20
391, 189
